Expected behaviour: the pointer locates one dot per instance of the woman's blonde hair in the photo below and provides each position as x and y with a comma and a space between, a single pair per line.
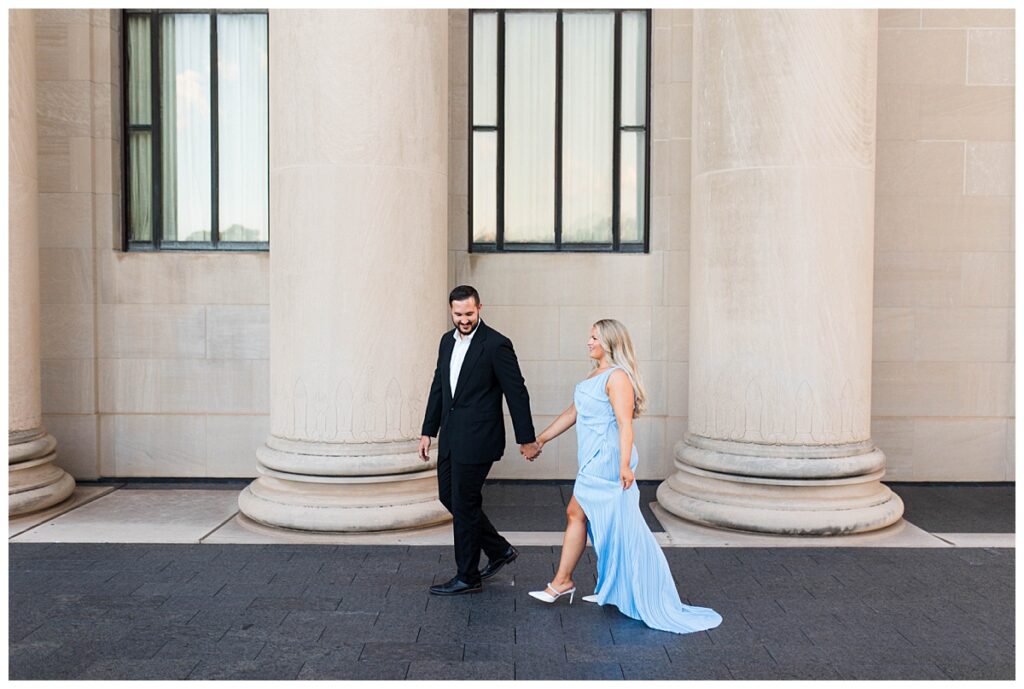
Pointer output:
618, 347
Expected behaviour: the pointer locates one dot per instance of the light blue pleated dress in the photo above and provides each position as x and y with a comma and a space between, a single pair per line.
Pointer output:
632, 572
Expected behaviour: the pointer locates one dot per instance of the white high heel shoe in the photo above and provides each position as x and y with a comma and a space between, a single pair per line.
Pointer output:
548, 598
592, 598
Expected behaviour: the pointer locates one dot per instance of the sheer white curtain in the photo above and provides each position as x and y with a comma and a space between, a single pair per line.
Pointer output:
140, 143
485, 68
185, 127
634, 67
631, 185
632, 160
242, 127
485, 112
485, 184
530, 126
140, 192
588, 60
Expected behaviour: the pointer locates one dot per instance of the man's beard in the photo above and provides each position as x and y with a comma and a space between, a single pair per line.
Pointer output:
465, 328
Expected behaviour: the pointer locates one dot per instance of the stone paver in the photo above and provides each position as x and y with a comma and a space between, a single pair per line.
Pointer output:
237, 611
958, 508
167, 611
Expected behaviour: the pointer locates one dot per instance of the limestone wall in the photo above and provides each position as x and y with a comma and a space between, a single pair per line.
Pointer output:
153, 364
942, 376
157, 364
943, 328
546, 303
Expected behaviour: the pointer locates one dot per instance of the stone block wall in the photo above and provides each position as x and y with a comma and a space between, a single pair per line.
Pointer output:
154, 364
943, 328
546, 303
157, 364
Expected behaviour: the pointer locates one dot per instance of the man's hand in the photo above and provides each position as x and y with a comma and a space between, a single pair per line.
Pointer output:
529, 450
424, 448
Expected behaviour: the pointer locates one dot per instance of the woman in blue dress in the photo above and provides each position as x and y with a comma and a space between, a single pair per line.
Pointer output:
632, 572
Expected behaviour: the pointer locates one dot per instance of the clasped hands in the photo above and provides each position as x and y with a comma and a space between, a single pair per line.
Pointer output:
530, 450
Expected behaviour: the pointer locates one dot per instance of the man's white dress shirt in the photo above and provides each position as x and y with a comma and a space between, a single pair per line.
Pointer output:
459, 354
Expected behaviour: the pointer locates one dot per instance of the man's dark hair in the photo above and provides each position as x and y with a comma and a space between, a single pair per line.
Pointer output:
463, 292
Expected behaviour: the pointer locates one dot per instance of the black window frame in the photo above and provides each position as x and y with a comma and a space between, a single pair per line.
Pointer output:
157, 243
558, 246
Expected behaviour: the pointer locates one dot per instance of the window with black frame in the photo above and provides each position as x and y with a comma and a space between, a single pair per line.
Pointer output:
196, 112
559, 144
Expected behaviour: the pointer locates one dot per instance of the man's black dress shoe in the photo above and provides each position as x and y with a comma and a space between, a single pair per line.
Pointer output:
494, 565
455, 587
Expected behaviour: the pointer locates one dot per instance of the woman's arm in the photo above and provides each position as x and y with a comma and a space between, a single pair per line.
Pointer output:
620, 392
564, 421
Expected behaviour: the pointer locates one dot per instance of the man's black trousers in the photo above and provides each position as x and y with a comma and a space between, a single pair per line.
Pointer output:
458, 487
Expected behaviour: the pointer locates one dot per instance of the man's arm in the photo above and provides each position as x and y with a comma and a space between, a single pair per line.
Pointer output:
432, 416
510, 378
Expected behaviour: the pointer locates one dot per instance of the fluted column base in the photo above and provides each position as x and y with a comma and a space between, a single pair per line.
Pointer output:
344, 496
35, 482
796, 490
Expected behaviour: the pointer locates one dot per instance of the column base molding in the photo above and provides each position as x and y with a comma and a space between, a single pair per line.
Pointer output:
795, 498
35, 482
341, 459
343, 504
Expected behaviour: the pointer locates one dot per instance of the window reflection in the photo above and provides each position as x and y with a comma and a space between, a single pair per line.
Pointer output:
544, 116
631, 182
242, 127
196, 148
588, 80
485, 183
186, 148
529, 126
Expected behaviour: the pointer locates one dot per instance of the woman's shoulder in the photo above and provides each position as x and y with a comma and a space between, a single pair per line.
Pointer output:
618, 377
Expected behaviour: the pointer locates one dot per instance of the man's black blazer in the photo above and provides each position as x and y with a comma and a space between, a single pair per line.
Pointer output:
471, 427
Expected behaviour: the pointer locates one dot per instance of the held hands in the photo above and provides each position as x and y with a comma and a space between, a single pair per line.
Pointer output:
626, 477
530, 450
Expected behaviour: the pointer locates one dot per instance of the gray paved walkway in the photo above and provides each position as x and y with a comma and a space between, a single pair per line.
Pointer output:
130, 611
965, 508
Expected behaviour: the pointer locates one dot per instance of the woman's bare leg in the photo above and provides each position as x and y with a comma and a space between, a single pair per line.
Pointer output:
573, 543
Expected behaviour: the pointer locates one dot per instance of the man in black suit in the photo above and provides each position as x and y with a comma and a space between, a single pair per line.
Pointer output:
476, 365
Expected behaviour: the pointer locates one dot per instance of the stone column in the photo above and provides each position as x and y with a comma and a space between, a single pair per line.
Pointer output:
358, 272
35, 481
781, 261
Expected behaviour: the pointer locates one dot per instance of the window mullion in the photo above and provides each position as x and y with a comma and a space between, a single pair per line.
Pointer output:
558, 132
500, 196
157, 121
616, 123
215, 152
647, 139
469, 135
126, 230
